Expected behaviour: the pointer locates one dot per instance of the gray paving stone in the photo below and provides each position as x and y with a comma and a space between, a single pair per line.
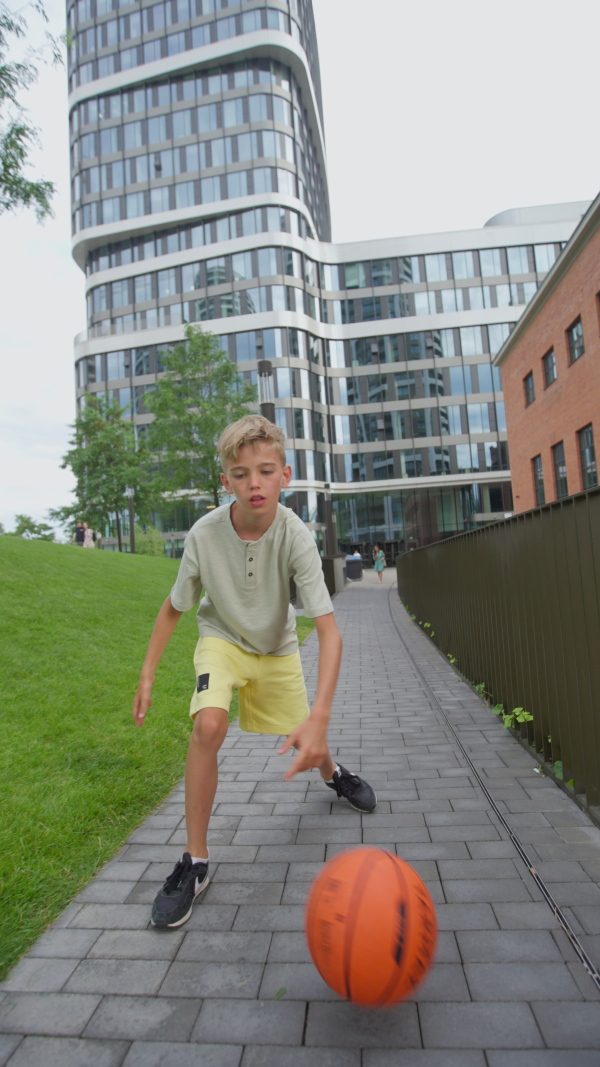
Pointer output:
265, 1056
8, 1044
301, 981
507, 981
46, 1013
250, 872
121, 870
542, 1058
136, 977
424, 1058
112, 917
533, 916
250, 1022
568, 1025
105, 892
244, 893
507, 946
290, 853
137, 944
38, 975
479, 1026
466, 917
256, 917
487, 889
344, 1025
68, 1052
214, 979
455, 869
163, 1054
146, 1018
444, 981
64, 944
288, 947
212, 917
225, 947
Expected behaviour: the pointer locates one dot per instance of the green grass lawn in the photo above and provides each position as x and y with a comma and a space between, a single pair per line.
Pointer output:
77, 776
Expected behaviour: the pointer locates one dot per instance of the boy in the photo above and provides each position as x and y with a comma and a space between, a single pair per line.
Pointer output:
243, 555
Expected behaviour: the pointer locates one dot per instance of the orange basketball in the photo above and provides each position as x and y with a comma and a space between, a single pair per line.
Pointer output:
371, 927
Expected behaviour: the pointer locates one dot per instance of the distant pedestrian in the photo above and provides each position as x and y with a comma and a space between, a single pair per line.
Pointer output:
379, 562
79, 535
89, 540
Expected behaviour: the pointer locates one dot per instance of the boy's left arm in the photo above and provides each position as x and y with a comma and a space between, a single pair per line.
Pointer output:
310, 738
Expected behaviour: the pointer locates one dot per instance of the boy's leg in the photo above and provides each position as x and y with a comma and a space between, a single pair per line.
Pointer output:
201, 776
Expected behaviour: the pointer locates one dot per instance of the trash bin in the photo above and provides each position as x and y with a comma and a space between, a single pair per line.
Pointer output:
354, 568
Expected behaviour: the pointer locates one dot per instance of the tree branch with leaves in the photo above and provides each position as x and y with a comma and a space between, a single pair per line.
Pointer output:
105, 461
17, 135
200, 393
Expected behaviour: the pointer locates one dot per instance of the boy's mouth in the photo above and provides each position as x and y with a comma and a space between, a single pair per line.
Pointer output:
257, 500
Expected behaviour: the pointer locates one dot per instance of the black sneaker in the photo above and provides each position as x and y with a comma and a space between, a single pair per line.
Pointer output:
174, 902
355, 790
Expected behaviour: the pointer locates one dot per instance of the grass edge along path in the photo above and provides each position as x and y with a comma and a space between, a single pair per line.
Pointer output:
77, 777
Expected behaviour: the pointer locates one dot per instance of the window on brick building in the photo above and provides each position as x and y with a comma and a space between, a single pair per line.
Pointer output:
560, 470
529, 388
587, 455
538, 480
549, 362
575, 339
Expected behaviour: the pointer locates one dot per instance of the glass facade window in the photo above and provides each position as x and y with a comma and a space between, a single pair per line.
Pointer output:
549, 364
587, 457
560, 470
491, 263
382, 272
518, 260
545, 257
529, 388
538, 480
356, 276
435, 268
463, 265
575, 340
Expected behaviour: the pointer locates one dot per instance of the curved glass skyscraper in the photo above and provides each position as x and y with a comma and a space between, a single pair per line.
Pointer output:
200, 195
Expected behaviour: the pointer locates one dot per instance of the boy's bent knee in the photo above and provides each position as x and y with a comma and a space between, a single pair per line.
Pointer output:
210, 727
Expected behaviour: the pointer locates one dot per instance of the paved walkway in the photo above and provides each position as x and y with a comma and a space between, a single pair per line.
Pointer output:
101, 987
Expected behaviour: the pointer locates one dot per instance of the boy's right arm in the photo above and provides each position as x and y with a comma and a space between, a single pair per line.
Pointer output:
166, 621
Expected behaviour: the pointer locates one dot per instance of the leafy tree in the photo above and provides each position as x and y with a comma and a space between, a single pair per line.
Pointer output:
149, 541
17, 135
2, 530
25, 526
104, 460
200, 394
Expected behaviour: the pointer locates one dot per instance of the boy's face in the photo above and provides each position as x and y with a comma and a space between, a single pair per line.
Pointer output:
256, 478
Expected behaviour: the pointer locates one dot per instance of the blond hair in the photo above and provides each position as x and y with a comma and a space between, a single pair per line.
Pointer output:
245, 432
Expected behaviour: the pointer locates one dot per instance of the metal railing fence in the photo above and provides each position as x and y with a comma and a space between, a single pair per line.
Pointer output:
518, 604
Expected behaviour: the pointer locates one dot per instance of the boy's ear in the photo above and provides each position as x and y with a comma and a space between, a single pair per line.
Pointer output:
286, 476
225, 482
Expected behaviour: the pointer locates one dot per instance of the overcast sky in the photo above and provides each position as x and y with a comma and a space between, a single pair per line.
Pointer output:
438, 115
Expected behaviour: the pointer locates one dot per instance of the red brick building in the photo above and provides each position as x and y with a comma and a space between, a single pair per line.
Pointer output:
551, 376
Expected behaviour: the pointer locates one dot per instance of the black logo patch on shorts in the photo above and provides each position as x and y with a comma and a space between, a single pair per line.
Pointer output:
202, 683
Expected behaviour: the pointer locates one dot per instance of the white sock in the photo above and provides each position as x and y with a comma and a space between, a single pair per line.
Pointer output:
336, 768
199, 859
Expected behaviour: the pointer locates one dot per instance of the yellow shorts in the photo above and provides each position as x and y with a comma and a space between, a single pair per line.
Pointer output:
272, 692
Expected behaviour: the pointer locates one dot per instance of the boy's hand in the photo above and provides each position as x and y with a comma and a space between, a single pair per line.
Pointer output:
310, 738
141, 702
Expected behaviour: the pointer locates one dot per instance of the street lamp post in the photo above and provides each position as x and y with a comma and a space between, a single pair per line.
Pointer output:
130, 492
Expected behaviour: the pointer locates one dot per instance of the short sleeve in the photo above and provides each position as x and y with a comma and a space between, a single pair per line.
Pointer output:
307, 572
185, 594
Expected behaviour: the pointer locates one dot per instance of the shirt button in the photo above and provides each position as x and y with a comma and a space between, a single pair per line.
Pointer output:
249, 574
250, 558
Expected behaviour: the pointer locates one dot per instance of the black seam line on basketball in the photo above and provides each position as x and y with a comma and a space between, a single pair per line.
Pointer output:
561, 919
351, 920
405, 896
